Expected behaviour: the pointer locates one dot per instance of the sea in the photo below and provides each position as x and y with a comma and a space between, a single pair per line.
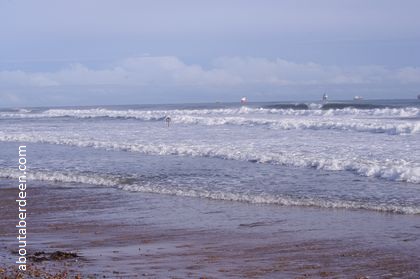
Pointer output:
346, 155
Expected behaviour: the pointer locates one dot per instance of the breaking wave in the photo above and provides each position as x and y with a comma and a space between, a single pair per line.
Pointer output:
134, 185
392, 128
160, 114
244, 116
390, 170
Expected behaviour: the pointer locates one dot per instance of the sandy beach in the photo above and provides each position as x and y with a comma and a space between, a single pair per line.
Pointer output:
118, 234
210, 139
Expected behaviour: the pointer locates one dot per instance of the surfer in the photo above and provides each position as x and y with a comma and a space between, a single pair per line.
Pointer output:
168, 120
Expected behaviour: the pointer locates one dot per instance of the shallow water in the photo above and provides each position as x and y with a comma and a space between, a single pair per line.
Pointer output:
351, 157
132, 233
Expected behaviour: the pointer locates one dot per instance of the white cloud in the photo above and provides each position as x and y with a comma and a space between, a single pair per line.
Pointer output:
9, 97
226, 72
409, 75
20, 78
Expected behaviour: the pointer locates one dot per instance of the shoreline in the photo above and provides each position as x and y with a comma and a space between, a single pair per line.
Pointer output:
120, 234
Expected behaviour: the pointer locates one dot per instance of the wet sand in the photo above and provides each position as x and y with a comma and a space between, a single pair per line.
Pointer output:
118, 234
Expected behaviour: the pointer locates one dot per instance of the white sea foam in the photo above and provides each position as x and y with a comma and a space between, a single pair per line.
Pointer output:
285, 120
25, 110
372, 126
272, 199
148, 187
375, 142
55, 176
395, 170
159, 114
145, 114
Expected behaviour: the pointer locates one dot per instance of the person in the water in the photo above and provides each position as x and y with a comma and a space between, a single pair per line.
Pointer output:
168, 120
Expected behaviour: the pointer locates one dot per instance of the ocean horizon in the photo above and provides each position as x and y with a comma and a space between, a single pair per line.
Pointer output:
209, 139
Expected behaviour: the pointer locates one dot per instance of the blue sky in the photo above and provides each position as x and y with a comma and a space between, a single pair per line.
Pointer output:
121, 52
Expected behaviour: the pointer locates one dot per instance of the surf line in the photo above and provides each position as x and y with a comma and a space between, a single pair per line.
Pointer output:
21, 226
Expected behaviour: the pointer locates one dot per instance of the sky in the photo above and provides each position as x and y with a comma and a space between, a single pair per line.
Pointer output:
104, 52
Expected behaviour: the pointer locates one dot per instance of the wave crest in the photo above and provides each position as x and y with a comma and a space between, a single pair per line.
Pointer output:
390, 170
147, 187
159, 114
